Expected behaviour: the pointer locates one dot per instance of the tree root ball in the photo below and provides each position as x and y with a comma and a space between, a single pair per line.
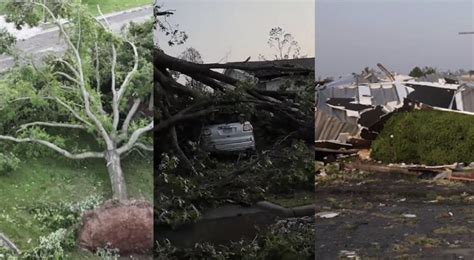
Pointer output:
124, 225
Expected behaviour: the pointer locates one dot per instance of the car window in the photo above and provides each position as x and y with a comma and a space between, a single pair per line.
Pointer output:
224, 118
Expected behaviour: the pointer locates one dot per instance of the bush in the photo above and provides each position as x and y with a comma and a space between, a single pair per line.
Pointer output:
426, 137
8, 163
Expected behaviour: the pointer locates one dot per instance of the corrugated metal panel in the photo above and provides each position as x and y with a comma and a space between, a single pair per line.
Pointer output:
328, 127
468, 99
365, 97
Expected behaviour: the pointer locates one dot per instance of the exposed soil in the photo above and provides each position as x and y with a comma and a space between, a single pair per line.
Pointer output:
373, 221
125, 225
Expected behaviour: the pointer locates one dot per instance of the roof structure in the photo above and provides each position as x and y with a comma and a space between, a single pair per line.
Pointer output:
347, 106
264, 70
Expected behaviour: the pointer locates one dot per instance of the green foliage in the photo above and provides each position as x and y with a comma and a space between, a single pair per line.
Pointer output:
47, 183
39, 150
181, 199
108, 6
175, 209
294, 171
287, 239
28, 93
107, 253
51, 246
23, 13
418, 72
427, 137
6, 41
20, 92
64, 215
7, 254
8, 163
64, 218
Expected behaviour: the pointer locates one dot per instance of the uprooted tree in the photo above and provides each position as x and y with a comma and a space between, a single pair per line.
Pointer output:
74, 83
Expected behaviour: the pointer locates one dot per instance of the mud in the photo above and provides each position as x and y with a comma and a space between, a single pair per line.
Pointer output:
376, 217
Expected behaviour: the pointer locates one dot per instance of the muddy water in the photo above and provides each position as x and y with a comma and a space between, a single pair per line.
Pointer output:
220, 226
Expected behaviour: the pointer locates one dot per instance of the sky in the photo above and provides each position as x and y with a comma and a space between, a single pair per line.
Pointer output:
232, 30
400, 34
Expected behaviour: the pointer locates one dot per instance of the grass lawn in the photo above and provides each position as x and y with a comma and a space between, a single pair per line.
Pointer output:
107, 6
110, 6
53, 181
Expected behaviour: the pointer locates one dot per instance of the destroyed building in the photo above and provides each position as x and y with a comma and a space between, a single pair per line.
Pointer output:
271, 75
353, 108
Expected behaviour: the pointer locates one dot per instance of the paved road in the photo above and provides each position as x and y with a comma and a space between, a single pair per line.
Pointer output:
49, 42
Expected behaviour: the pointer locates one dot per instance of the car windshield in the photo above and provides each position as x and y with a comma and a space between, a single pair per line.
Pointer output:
224, 119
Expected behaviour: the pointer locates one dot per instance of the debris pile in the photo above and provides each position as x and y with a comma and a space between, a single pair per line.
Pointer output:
352, 111
354, 108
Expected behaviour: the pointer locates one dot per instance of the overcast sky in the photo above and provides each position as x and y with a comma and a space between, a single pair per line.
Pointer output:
239, 28
401, 34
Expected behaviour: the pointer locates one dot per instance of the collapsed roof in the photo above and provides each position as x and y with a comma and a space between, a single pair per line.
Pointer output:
348, 107
266, 70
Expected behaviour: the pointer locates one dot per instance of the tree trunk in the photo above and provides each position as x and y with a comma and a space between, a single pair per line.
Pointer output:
119, 188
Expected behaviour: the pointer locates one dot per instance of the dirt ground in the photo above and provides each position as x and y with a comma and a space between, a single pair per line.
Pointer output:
391, 216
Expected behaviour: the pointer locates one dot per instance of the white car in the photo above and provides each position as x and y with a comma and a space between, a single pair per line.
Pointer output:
228, 137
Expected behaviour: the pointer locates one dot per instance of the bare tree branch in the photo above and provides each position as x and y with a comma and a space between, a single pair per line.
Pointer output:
54, 147
115, 105
85, 93
144, 147
131, 113
134, 138
74, 112
169, 83
69, 77
129, 76
51, 124
69, 65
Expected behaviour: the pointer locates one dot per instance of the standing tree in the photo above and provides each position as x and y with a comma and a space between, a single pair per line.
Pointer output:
192, 55
284, 43
69, 86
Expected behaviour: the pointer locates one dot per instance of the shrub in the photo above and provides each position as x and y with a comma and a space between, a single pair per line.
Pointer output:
426, 137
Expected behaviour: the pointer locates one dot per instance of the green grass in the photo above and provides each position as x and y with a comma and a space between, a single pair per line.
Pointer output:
427, 137
107, 6
110, 6
60, 180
